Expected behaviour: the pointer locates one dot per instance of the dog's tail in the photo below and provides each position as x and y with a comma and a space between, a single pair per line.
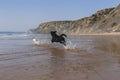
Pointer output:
63, 35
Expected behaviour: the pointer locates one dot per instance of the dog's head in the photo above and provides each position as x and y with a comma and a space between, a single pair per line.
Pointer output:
53, 32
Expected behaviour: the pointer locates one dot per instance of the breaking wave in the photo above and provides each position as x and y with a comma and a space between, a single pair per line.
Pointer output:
13, 35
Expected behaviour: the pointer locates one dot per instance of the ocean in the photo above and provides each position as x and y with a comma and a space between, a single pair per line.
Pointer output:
12, 41
15, 41
86, 57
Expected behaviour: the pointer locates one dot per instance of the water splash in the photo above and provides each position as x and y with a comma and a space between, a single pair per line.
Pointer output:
40, 42
35, 41
69, 45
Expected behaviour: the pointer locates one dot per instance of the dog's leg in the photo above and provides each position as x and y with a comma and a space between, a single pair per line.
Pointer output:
64, 43
52, 40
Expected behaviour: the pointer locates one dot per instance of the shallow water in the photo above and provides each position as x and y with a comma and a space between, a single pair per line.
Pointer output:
91, 58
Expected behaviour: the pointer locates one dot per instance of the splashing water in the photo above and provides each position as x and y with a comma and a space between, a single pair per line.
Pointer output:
69, 44
38, 42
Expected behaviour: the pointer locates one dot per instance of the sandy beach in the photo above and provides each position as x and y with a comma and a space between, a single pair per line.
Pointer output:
59, 40
93, 58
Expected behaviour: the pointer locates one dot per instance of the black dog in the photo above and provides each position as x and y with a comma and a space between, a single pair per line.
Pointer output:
58, 38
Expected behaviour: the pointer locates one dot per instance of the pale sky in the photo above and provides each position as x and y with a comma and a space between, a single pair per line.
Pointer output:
21, 15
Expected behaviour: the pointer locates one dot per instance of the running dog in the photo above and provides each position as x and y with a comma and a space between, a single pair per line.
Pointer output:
58, 38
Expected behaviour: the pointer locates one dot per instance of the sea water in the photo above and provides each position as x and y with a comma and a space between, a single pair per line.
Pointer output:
20, 41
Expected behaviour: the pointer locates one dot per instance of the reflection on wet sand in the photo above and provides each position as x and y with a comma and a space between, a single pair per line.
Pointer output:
57, 63
96, 58
71, 66
110, 45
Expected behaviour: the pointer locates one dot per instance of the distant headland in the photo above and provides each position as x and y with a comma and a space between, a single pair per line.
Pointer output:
103, 21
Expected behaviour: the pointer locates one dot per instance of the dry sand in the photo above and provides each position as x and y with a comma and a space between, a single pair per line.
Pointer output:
97, 34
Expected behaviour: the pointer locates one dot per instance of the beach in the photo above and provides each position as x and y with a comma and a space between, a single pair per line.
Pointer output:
93, 57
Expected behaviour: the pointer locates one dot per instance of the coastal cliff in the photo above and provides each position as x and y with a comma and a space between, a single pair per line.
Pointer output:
103, 21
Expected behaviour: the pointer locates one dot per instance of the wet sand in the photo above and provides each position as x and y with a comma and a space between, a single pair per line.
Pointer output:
95, 58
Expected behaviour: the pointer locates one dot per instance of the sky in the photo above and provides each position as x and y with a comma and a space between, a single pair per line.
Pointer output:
22, 15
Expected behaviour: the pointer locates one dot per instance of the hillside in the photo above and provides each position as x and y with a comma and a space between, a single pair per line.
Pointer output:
103, 21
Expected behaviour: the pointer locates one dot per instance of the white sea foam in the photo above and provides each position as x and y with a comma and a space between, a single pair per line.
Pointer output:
12, 35
69, 45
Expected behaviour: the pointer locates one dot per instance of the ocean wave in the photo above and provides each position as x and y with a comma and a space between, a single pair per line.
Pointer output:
12, 35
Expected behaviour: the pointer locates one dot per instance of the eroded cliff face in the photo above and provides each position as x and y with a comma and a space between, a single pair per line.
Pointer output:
107, 20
